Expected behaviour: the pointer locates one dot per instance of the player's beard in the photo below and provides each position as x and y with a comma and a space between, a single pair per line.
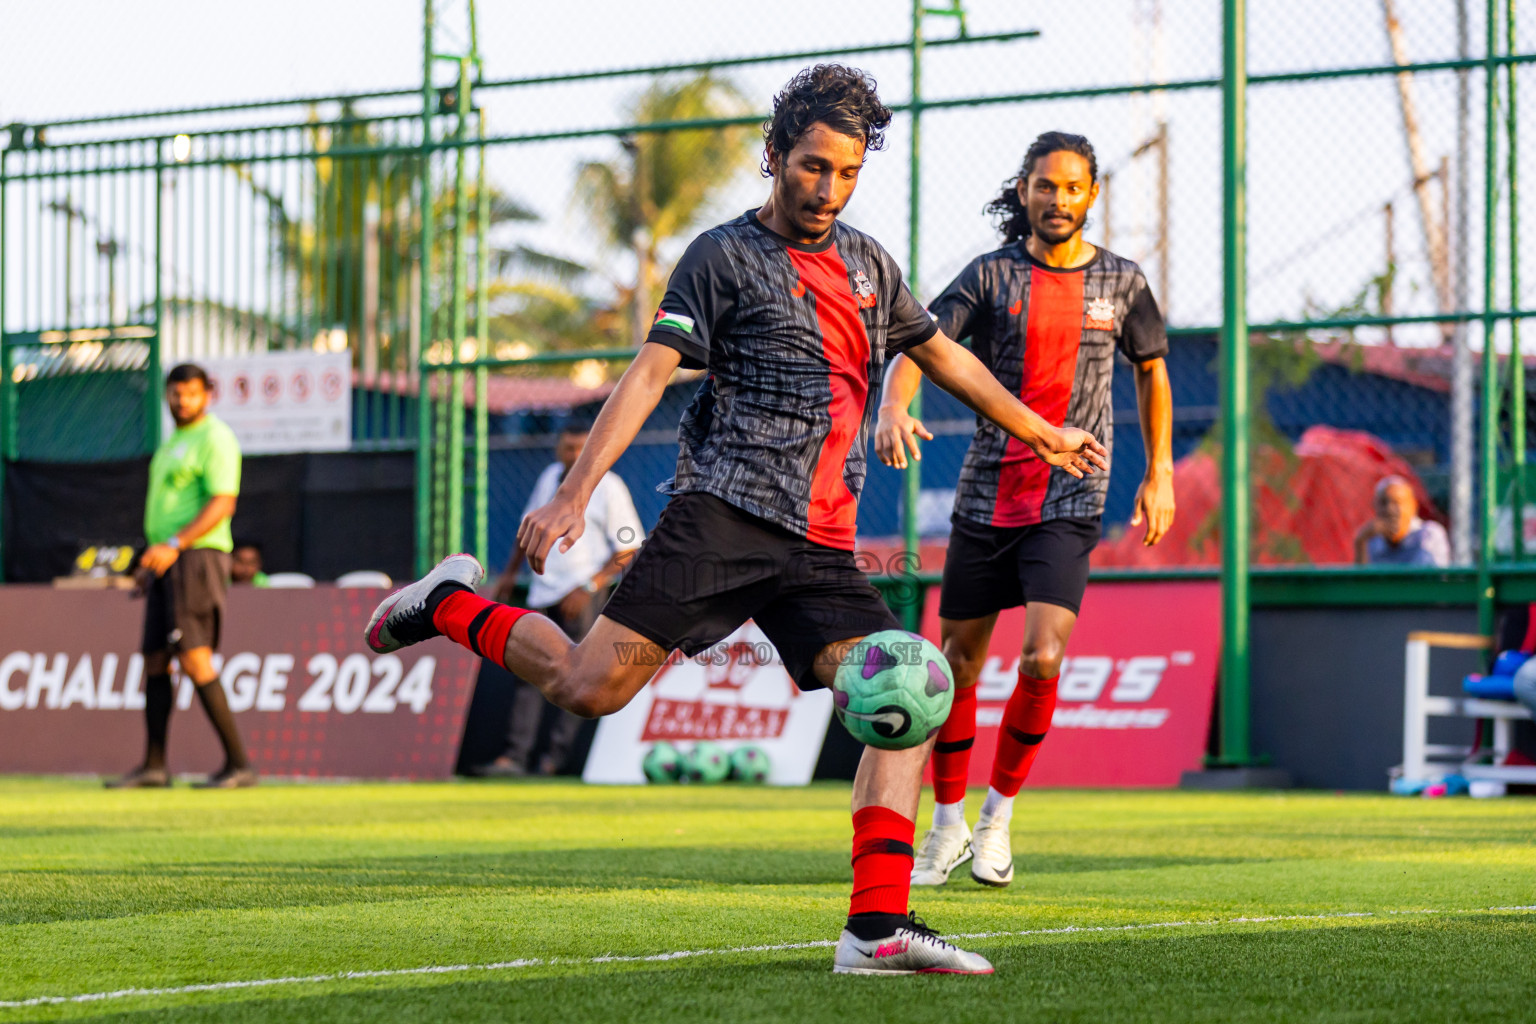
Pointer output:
812, 229
1051, 234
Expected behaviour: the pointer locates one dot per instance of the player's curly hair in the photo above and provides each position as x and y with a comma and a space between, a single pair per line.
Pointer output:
1012, 219
842, 98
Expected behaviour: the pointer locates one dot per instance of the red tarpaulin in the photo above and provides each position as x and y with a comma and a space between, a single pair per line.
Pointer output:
1307, 504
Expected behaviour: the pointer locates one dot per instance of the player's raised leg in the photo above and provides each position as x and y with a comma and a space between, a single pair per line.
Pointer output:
947, 844
595, 677
1026, 720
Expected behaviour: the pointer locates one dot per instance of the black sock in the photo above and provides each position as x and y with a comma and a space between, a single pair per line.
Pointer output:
869, 927
159, 698
441, 591
211, 694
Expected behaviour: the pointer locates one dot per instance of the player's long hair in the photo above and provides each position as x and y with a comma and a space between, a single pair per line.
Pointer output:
842, 98
1011, 216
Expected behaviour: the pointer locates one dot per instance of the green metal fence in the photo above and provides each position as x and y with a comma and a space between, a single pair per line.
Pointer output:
430, 230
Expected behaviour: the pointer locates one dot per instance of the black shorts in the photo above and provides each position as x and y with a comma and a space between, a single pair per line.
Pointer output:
708, 567
184, 609
989, 568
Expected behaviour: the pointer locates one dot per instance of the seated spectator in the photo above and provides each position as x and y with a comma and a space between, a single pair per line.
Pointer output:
1397, 536
245, 564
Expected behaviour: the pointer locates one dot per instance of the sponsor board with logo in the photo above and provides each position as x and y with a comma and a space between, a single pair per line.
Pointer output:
734, 694
1134, 700
309, 697
297, 401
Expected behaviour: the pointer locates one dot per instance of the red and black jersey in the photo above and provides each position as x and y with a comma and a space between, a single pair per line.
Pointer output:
1049, 336
795, 338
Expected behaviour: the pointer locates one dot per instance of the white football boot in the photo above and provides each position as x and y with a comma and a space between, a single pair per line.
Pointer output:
992, 852
401, 619
912, 948
941, 851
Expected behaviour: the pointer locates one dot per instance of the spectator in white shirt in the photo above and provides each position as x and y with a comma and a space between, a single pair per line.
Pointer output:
571, 591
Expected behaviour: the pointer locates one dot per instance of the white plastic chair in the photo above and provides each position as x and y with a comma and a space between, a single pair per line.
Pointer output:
290, 581
367, 578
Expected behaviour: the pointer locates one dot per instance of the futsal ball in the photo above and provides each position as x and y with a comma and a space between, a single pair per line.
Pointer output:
750, 764
706, 762
663, 763
893, 691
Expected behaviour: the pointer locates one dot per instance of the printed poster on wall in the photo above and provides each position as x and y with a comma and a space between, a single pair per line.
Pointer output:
298, 401
734, 694
309, 698
1137, 684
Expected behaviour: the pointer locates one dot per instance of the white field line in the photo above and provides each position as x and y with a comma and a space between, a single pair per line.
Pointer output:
683, 954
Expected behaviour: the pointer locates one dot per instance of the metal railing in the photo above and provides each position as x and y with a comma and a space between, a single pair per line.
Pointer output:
124, 248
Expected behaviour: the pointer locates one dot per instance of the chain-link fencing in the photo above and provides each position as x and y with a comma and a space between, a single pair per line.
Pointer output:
529, 219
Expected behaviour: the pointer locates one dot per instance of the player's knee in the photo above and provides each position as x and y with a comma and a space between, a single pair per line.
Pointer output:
965, 667
585, 697
1042, 658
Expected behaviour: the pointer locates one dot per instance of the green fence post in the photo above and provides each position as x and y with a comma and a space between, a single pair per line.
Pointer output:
482, 350
1516, 361
455, 466
1490, 398
912, 476
424, 257
6, 385
153, 372
1234, 391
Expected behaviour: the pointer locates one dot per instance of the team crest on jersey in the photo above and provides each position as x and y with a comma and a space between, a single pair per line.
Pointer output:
864, 290
1101, 315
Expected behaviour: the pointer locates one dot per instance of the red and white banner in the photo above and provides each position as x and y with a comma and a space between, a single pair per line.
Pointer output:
296, 401
1134, 702
736, 693
309, 697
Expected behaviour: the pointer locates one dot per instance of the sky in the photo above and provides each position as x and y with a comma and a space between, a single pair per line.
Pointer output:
1325, 157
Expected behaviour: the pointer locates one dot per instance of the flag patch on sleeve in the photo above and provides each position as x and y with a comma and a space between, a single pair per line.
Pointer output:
682, 323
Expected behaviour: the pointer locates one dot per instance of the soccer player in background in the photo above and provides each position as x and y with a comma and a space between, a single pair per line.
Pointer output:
1045, 313
793, 314
194, 479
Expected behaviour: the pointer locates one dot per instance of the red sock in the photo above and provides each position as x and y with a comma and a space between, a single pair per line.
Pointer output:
882, 861
952, 753
1026, 720
469, 620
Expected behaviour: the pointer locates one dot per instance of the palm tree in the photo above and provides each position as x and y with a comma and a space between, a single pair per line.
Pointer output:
664, 180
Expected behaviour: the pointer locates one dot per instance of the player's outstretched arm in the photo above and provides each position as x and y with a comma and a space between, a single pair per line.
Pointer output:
896, 431
1154, 498
953, 368
621, 418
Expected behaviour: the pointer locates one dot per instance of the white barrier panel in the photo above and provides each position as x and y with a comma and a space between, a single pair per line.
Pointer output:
734, 694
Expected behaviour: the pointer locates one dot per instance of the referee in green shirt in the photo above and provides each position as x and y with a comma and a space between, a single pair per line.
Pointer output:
194, 478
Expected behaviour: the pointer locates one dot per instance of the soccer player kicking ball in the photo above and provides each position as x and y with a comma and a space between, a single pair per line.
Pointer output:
793, 314
1045, 313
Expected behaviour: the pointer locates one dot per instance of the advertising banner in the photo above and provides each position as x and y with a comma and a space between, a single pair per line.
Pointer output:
734, 694
298, 401
1134, 700
309, 697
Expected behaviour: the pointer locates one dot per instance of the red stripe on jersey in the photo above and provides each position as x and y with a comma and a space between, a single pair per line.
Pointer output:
1051, 335
834, 509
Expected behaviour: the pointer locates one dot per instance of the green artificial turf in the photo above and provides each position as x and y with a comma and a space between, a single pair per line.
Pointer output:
104, 891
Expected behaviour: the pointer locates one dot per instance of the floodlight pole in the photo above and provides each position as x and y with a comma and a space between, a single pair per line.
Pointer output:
1235, 413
